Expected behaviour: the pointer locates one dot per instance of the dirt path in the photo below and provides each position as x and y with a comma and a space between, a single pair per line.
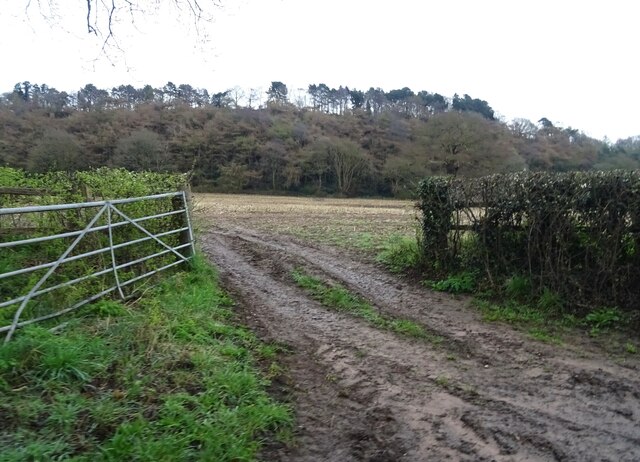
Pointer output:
485, 392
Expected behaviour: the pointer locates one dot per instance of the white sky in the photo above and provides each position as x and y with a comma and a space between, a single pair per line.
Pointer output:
574, 62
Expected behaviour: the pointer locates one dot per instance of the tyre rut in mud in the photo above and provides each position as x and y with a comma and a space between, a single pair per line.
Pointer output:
484, 393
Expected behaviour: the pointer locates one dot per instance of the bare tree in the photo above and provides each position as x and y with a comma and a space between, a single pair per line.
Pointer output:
104, 16
237, 94
523, 128
299, 97
344, 158
255, 96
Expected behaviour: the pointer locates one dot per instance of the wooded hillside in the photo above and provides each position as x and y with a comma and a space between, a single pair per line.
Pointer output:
321, 140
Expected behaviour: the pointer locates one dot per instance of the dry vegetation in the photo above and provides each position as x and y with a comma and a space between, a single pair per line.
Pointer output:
359, 223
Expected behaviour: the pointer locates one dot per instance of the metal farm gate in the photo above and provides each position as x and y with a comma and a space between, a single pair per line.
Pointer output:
165, 237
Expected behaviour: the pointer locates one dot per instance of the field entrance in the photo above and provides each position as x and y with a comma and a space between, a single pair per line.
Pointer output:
380, 368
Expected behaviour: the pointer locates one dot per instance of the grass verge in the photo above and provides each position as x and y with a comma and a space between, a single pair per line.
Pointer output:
545, 325
171, 378
341, 299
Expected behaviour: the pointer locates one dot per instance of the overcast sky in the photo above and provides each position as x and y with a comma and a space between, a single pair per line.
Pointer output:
574, 62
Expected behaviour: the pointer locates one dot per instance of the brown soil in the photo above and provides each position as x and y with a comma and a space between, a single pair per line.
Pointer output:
486, 392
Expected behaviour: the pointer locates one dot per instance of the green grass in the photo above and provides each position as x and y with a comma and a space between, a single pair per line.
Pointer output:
518, 287
456, 284
171, 378
348, 237
510, 312
341, 299
543, 335
400, 254
540, 324
545, 319
603, 319
365, 241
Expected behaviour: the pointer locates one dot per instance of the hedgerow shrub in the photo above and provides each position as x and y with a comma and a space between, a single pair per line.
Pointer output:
102, 183
575, 234
63, 187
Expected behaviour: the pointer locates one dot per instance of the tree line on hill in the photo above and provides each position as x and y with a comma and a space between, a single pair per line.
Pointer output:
314, 141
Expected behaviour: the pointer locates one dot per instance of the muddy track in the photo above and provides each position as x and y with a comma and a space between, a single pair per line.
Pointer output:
485, 392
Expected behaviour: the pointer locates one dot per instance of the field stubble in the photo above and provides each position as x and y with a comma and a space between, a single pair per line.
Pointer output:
350, 223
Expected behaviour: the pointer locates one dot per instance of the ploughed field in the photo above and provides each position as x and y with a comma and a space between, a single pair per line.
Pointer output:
460, 389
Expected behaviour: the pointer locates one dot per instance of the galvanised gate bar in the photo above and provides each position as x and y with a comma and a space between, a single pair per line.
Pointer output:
111, 212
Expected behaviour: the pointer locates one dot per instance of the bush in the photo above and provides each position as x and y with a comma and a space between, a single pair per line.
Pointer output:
574, 235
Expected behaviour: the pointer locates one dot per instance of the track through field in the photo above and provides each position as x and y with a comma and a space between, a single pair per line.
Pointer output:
483, 392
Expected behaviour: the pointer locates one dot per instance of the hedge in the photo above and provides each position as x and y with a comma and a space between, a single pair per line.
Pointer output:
577, 234
63, 187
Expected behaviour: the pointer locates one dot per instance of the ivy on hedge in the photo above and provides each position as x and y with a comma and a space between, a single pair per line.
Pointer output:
577, 234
